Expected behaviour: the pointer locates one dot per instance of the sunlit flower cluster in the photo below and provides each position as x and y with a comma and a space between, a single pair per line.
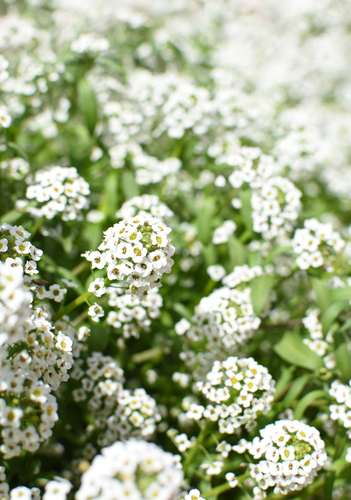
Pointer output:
316, 245
318, 343
130, 314
144, 205
58, 190
292, 454
134, 468
342, 409
240, 389
137, 250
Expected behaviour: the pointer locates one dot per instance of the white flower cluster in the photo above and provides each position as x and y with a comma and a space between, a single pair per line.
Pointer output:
275, 200
241, 274
30, 370
224, 232
241, 390
16, 168
20, 492
58, 190
293, 453
135, 469
341, 410
316, 245
119, 413
224, 319
145, 205
15, 300
90, 42
132, 314
14, 247
317, 343
138, 250
5, 117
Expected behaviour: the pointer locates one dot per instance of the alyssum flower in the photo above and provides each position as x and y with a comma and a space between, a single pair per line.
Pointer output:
136, 250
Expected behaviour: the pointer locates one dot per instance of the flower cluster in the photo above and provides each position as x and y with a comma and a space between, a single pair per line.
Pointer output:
138, 250
119, 413
132, 314
341, 410
134, 469
144, 205
225, 318
293, 453
241, 390
224, 232
58, 190
316, 245
16, 168
317, 343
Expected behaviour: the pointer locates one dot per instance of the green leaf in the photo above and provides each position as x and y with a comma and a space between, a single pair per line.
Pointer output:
203, 219
87, 103
345, 326
322, 293
209, 253
260, 289
182, 310
328, 485
274, 253
340, 294
294, 351
246, 209
306, 401
130, 187
285, 378
109, 202
237, 252
10, 217
296, 389
331, 313
343, 361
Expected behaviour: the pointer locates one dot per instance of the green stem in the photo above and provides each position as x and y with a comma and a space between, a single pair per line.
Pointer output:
70, 307
36, 226
194, 449
225, 486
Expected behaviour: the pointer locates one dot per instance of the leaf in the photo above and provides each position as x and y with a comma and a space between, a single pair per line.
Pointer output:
87, 103
307, 400
11, 216
345, 326
331, 313
274, 253
340, 294
322, 293
182, 310
246, 209
260, 289
209, 253
296, 389
109, 202
203, 219
285, 378
294, 351
130, 187
328, 485
237, 252
343, 361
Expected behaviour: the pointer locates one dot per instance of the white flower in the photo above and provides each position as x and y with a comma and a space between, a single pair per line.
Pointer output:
96, 312
97, 287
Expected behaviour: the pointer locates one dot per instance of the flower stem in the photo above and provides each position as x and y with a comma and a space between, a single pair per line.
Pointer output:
194, 449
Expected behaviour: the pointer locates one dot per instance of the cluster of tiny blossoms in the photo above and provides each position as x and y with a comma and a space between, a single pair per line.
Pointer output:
317, 343
135, 469
14, 249
225, 318
132, 314
119, 413
341, 410
241, 390
316, 245
145, 205
30, 370
293, 453
136, 250
16, 168
58, 190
